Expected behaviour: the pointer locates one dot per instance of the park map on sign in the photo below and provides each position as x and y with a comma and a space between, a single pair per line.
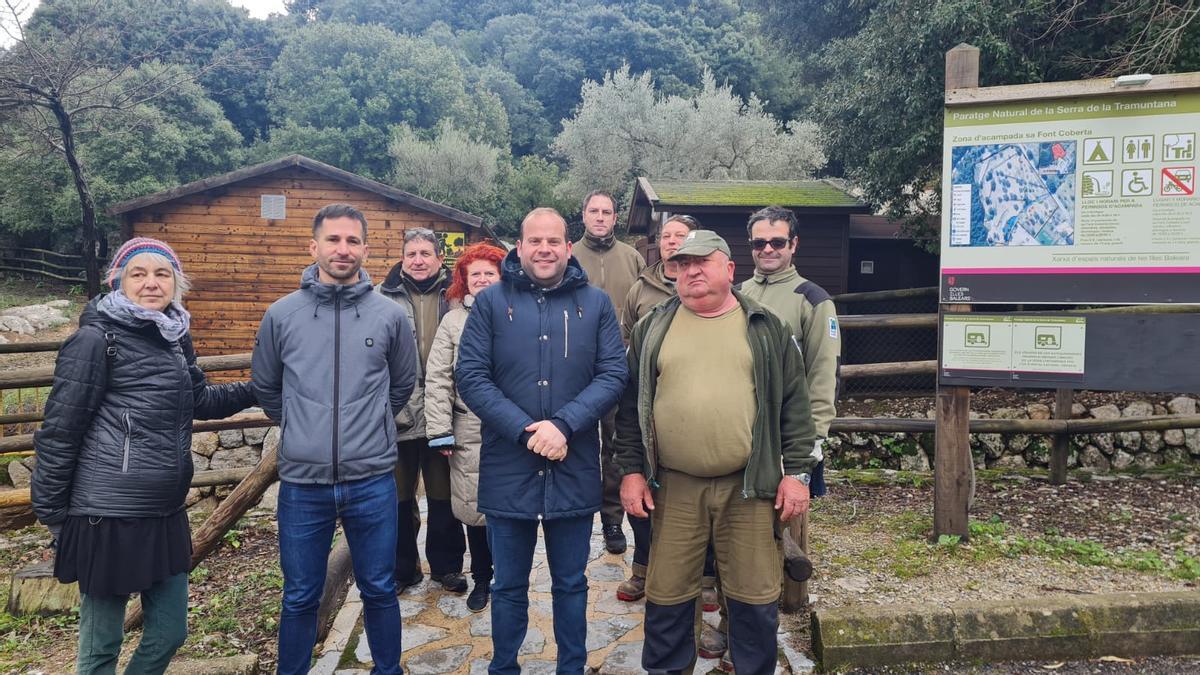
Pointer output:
1013, 194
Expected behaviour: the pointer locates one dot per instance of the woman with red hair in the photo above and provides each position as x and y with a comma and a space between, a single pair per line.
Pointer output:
450, 425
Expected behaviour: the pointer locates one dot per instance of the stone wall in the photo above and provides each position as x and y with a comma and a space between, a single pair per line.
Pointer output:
210, 450
909, 452
1094, 452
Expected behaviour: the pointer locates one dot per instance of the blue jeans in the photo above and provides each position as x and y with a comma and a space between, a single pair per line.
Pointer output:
307, 517
568, 542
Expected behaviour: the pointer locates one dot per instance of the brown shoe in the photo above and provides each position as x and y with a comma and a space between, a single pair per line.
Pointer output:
712, 643
632, 589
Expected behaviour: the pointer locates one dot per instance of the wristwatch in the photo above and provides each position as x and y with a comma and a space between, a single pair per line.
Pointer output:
804, 478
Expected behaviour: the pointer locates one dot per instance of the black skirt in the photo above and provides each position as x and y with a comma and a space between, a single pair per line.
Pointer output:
119, 556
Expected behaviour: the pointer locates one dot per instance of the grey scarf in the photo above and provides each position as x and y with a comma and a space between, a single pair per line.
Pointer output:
172, 324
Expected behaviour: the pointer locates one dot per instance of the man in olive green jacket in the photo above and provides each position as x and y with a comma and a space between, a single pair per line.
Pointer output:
805, 307
696, 472
612, 266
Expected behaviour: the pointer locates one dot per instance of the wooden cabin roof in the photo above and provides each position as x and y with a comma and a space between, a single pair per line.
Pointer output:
796, 193
301, 161
736, 196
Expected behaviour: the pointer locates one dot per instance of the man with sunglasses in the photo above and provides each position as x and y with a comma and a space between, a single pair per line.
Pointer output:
805, 307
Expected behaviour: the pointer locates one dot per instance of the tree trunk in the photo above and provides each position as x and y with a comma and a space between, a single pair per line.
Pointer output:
87, 204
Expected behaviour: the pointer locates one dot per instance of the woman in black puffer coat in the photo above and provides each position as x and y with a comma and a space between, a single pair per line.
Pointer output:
114, 458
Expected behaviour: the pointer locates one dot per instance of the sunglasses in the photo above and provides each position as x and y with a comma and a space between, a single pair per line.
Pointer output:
777, 243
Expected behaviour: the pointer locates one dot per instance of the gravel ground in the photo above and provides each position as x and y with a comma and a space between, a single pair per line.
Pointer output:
855, 529
871, 544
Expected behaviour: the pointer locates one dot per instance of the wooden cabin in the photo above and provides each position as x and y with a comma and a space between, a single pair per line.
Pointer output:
243, 236
882, 258
822, 208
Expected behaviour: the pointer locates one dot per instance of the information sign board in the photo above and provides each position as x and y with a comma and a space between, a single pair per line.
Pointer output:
1076, 200
1080, 350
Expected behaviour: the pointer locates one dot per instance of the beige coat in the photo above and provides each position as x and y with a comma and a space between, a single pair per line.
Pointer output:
446, 414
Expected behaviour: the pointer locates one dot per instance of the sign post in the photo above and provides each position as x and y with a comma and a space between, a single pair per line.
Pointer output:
954, 470
1062, 193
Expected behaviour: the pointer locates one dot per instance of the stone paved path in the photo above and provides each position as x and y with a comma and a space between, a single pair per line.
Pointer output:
442, 636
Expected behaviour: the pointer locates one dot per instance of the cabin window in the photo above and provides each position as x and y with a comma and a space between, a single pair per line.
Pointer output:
274, 207
866, 267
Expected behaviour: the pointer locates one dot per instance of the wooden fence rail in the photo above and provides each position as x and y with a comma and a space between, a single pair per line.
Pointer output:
41, 262
895, 294
842, 424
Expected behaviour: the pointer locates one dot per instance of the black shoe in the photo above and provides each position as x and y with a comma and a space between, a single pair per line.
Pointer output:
408, 582
452, 581
614, 538
478, 598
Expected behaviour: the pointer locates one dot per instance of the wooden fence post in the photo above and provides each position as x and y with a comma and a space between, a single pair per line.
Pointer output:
1061, 448
954, 470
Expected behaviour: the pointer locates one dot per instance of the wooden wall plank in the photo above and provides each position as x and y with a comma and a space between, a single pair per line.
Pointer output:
240, 263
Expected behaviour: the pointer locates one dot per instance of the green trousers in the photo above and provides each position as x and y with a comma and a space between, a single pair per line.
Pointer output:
102, 621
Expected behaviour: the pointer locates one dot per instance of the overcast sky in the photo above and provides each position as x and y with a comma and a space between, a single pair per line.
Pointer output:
259, 9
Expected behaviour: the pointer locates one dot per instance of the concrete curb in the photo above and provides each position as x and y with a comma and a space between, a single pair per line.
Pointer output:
1053, 627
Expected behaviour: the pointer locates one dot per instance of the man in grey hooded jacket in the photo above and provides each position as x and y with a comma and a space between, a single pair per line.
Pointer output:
332, 362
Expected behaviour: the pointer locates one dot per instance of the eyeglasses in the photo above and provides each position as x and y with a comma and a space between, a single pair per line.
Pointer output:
777, 243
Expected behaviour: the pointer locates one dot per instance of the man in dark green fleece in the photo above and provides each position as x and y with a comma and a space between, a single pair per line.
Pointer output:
714, 435
612, 266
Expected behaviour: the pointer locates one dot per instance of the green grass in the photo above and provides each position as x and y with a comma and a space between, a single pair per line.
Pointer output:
876, 477
24, 640
912, 554
26, 399
15, 292
214, 625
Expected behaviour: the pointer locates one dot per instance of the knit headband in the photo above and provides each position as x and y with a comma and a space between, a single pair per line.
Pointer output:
133, 248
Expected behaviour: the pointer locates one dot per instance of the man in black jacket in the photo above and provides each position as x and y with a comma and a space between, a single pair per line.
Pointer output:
418, 284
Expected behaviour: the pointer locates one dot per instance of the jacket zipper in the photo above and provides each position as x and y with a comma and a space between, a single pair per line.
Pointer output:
128, 433
566, 334
755, 448
337, 361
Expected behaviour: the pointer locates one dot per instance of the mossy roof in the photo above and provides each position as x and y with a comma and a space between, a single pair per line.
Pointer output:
799, 193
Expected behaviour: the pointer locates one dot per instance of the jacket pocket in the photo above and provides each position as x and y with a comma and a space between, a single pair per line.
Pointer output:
128, 441
306, 431
389, 423
363, 430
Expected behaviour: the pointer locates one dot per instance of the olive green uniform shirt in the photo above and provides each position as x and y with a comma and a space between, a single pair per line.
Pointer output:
810, 313
652, 287
612, 269
704, 403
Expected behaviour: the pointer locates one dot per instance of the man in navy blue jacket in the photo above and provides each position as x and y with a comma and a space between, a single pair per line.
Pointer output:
540, 360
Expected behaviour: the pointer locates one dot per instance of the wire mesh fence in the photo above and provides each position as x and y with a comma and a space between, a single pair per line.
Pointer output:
25, 401
889, 344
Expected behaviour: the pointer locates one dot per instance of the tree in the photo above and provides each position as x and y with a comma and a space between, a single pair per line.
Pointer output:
189, 33
625, 128
57, 86
875, 72
369, 79
549, 47
450, 168
522, 186
180, 137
